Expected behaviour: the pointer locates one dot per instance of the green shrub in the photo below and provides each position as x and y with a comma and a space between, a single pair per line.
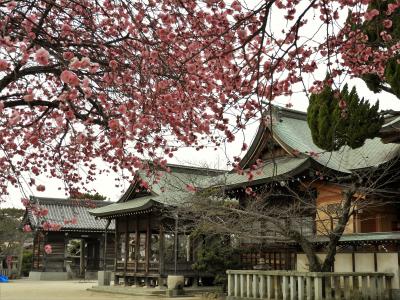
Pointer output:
26, 262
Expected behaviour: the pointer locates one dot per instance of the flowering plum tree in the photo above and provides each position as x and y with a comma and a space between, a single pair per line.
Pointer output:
122, 80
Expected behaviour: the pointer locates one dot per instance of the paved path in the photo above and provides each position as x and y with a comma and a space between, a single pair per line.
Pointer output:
59, 290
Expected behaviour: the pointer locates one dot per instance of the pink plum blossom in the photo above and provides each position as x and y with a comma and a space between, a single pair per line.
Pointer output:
42, 56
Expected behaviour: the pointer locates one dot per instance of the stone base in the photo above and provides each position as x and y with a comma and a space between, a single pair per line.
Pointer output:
91, 275
48, 276
175, 282
175, 293
104, 278
175, 285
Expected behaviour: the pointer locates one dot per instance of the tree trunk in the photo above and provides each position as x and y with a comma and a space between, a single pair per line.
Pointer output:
334, 237
337, 232
308, 248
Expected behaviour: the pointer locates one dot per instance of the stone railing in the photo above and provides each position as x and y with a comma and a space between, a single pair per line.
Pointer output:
253, 284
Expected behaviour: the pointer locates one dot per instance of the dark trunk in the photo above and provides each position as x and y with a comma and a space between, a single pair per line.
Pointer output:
308, 248
337, 232
314, 263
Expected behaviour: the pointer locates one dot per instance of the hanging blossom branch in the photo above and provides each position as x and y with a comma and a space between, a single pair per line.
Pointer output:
121, 81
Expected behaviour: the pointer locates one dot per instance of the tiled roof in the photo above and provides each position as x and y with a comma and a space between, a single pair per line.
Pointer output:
170, 189
61, 210
139, 204
292, 130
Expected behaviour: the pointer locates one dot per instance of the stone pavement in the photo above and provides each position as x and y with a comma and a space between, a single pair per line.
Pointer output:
24, 289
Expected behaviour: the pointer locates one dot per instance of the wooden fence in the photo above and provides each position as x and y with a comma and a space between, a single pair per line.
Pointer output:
5, 272
285, 285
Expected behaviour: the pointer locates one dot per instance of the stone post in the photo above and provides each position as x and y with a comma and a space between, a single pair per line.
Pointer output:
318, 288
285, 287
300, 283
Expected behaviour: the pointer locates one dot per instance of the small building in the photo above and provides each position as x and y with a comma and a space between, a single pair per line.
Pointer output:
151, 242
80, 246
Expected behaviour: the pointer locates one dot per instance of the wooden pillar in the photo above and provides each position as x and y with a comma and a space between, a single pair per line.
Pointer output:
35, 258
126, 249
161, 250
44, 253
176, 245
137, 244
378, 222
148, 243
116, 242
82, 258
105, 245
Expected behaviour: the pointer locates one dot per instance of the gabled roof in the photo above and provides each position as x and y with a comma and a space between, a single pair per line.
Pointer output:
167, 188
290, 130
61, 210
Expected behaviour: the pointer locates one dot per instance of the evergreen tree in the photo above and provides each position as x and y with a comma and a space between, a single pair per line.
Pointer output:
333, 127
342, 118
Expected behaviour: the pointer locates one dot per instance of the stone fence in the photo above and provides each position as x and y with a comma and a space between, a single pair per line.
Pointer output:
285, 285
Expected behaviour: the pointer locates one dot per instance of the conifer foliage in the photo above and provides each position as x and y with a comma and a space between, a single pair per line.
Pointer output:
338, 118
376, 38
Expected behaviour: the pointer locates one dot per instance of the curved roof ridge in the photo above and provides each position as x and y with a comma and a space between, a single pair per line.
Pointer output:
66, 201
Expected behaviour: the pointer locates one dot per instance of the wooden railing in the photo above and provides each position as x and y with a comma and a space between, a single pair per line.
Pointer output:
308, 285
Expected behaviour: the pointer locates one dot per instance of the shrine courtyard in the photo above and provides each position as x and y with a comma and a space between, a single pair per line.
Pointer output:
62, 290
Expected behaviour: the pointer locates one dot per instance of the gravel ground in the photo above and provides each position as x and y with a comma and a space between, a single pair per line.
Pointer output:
59, 290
